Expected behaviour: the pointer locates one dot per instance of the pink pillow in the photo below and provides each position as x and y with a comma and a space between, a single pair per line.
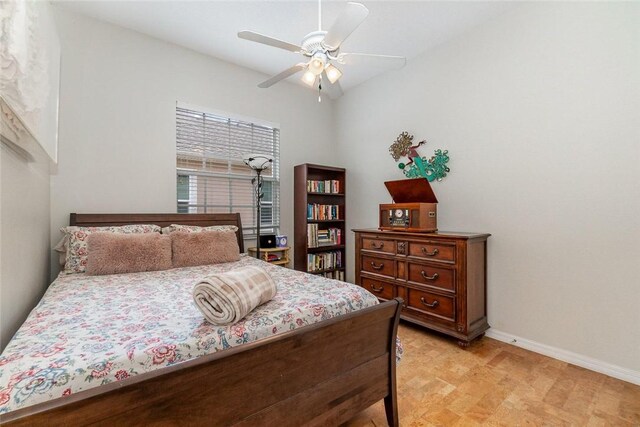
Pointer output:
76, 242
114, 253
206, 247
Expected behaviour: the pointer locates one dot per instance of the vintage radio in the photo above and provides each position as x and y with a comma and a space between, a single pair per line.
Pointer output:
415, 207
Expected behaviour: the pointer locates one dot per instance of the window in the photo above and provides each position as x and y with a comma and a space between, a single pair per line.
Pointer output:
211, 176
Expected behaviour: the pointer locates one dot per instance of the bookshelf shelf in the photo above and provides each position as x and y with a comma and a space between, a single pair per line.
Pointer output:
328, 270
282, 255
325, 248
307, 203
310, 193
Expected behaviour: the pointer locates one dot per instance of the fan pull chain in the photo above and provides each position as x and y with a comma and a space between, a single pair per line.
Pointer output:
320, 89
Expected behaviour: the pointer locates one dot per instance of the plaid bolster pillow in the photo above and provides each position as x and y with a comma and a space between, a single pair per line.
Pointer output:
226, 298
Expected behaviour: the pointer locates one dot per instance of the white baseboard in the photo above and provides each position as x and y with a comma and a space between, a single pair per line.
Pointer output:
567, 356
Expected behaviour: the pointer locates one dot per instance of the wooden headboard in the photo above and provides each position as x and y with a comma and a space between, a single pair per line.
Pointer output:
162, 220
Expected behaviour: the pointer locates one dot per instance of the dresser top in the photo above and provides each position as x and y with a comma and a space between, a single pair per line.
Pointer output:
449, 234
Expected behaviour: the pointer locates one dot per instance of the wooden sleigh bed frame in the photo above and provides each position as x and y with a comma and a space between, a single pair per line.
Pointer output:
322, 374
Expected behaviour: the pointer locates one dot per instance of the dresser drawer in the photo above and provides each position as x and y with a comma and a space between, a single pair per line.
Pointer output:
434, 251
383, 246
435, 305
382, 266
378, 288
438, 277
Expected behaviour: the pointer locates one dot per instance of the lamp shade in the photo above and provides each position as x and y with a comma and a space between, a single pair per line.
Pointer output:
309, 78
317, 63
333, 73
258, 162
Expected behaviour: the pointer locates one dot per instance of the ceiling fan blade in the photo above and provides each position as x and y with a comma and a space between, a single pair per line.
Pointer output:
261, 38
386, 61
352, 16
333, 90
283, 75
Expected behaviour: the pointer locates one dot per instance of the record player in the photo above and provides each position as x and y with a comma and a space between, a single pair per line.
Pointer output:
415, 207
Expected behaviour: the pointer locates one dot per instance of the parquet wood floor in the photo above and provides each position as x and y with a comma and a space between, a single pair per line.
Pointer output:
493, 383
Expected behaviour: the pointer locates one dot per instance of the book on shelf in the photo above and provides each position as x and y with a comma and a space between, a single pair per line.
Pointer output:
318, 238
329, 186
337, 275
274, 257
317, 212
324, 261
312, 235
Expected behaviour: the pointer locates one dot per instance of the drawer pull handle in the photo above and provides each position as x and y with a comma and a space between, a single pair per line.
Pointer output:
424, 302
434, 277
380, 246
377, 267
374, 289
427, 253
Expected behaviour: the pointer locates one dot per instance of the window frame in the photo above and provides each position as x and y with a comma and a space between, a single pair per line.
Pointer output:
193, 205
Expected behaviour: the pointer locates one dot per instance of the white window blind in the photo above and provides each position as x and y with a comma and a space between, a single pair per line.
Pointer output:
212, 178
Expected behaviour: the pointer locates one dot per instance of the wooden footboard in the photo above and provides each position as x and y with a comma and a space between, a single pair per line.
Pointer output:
321, 374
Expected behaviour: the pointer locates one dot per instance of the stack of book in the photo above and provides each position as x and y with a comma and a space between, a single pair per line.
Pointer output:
331, 186
324, 261
338, 275
322, 212
328, 237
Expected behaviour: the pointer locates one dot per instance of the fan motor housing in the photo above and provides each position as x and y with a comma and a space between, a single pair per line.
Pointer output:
312, 42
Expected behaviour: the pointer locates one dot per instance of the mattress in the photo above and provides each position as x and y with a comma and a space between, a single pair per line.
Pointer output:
93, 330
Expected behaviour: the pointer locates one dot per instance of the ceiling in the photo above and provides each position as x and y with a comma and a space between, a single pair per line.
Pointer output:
406, 28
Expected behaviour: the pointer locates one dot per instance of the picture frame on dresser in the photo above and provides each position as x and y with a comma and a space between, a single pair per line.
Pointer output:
440, 276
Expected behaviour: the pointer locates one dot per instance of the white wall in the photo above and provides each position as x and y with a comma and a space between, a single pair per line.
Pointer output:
25, 184
117, 119
24, 236
540, 110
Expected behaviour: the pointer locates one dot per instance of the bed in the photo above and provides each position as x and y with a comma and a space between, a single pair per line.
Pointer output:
113, 349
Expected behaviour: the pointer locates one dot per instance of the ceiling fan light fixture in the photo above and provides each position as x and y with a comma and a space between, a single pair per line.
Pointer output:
316, 66
317, 63
321, 49
333, 73
309, 78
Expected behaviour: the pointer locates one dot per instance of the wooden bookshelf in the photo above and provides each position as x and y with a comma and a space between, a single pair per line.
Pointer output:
302, 198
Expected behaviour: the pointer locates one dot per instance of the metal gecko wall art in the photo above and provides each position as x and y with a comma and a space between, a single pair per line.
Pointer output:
418, 166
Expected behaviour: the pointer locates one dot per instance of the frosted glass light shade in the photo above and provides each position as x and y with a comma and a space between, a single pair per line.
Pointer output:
333, 73
258, 161
309, 78
316, 66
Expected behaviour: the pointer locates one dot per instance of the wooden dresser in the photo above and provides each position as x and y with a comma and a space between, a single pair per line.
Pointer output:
442, 277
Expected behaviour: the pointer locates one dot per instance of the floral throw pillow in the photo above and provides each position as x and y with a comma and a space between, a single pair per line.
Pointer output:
76, 259
197, 229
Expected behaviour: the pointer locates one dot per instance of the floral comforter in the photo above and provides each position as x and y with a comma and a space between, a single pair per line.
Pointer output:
92, 330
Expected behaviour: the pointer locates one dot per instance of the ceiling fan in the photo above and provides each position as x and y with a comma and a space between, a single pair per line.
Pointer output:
321, 51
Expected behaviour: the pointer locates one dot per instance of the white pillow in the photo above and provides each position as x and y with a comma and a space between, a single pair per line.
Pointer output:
197, 229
